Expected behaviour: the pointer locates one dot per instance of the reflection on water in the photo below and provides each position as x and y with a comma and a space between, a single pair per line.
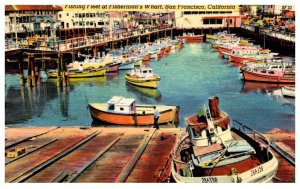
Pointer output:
27, 102
149, 92
111, 75
188, 78
98, 81
273, 90
257, 87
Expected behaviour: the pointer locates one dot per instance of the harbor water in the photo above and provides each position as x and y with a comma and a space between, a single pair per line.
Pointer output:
188, 78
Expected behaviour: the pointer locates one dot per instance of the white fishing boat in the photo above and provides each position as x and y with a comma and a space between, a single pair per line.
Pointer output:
215, 152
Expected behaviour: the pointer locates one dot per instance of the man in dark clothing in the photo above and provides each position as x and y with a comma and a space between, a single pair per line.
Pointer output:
156, 117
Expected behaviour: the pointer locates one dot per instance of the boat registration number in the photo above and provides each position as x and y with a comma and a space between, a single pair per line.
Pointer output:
257, 170
210, 180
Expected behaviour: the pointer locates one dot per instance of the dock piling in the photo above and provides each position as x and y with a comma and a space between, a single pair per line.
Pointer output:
21, 74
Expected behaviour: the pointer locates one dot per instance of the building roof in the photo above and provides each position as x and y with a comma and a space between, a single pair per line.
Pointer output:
33, 7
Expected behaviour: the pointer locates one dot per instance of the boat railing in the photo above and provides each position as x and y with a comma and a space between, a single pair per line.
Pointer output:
256, 133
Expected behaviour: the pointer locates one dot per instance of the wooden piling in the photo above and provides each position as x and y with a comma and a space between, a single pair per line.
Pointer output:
21, 74
28, 72
58, 70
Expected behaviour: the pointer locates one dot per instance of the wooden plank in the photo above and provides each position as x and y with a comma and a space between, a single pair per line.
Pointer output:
77, 174
153, 165
127, 170
285, 155
111, 164
30, 137
40, 167
31, 151
61, 177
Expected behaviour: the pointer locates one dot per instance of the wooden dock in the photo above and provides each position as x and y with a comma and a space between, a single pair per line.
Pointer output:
93, 154
108, 154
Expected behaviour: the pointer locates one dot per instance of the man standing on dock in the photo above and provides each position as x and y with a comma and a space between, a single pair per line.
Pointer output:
156, 117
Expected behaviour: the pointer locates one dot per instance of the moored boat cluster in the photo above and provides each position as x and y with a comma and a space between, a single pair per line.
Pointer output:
256, 64
124, 58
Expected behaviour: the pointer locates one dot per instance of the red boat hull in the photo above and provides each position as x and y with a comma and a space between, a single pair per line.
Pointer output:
168, 48
238, 59
147, 57
113, 68
250, 76
224, 49
161, 52
198, 38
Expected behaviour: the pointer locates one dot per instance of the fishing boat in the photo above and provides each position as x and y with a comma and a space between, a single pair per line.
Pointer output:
242, 55
79, 73
214, 152
272, 73
107, 61
143, 77
191, 37
288, 91
124, 111
127, 62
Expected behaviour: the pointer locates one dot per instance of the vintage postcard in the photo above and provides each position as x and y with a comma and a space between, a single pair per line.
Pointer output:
137, 93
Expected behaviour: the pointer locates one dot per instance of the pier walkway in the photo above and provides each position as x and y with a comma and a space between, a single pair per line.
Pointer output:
93, 154
279, 35
73, 44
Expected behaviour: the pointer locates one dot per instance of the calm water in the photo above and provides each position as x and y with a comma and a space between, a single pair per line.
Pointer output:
188, 78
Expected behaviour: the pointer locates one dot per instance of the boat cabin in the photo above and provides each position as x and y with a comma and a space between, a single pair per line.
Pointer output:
122, 105
142, 72
209, 126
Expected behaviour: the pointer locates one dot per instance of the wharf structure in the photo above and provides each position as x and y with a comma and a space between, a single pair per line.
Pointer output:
69, 32
102, 154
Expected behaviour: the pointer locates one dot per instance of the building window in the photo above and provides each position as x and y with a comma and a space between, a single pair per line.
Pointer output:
67, 14
59, 16
76, 15
87, 15
187, 12
212, 21
206, 21
67, 25
230, 21
219, 21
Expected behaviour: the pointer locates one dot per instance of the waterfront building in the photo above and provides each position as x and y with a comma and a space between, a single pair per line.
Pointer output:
31, 18
209, 16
